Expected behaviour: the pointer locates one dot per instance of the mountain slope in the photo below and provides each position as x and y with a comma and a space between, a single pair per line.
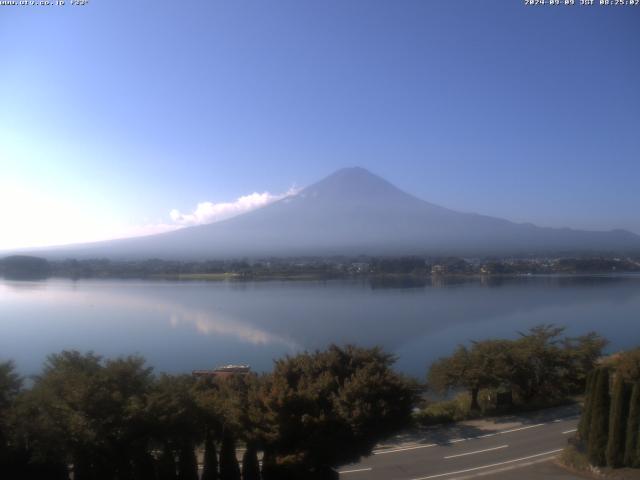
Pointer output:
352, 212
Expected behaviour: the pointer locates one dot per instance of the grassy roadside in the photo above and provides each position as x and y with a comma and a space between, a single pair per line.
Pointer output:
575, 461
459, 409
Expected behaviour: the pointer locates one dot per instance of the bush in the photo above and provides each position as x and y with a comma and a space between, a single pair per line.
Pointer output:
446, 411
574, 458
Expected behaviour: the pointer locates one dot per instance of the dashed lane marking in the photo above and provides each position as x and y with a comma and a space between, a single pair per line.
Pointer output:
477, 451
484, 467
415, 447
486, 435
356, 470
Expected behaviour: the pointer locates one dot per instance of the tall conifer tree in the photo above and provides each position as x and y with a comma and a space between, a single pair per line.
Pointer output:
229, 467
250, 465
617, 422
188, 464
632, 442
585, 419
210, 470
597, 445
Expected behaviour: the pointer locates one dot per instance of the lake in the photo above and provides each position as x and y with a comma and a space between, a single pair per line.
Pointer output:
180, 326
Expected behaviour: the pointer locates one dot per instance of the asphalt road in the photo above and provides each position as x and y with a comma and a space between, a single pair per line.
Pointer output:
479, 453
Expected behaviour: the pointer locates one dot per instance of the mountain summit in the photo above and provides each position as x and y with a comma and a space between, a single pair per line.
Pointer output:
350, 212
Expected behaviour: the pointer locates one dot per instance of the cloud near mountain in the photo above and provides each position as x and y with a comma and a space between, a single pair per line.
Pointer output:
209, 212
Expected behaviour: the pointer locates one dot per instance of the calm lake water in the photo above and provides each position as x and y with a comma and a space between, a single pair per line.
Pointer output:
180, 326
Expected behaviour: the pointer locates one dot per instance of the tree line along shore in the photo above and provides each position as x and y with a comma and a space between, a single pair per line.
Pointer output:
28, 267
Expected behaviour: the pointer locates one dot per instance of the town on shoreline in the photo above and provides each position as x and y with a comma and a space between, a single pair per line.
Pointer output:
30, 267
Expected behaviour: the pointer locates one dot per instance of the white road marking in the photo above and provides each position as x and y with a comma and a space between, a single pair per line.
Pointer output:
570, 431
489, 466
477, 451
521, 428
356, 470
486, 435
402, 449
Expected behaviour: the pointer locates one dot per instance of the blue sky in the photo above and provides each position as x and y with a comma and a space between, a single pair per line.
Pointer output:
116, 113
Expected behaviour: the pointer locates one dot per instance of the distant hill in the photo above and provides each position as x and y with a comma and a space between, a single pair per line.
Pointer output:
355, 212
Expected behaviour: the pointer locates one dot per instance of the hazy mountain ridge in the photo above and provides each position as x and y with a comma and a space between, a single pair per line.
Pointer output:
351, 212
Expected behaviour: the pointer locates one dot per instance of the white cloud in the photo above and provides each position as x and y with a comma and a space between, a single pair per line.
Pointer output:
32, 218
209, 212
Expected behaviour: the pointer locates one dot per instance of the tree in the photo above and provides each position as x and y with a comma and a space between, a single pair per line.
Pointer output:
174, 415
617, 423
540, 364
269, 466
187, 463
10, 386
485, 365
583, 353
627, 364
24, 266
229, 468
327, 408
210, 469
65, 407
167, 465
585, 419
250, 465
632, 441
597, 446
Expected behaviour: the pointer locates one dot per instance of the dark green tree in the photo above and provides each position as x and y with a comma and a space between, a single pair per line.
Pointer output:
229, 467
269, 467
250, 465
10, 385
187, 462
627, 364
585, 419
144, 466
632, 441
582, 354
597, 446
167, 465
484, 365
174, 415
89, 413
327, 408
210, 470
540, 364
617, 423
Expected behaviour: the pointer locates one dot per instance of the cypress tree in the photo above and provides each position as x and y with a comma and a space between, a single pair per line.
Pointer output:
210, 471
617, 422
229, 468
632, 442
250, 465
167, 465
188, 464
599, 429
81, 468
143, 466
269, 471
585, 418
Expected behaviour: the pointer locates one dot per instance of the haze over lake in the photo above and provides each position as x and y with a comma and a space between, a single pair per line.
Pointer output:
180, 326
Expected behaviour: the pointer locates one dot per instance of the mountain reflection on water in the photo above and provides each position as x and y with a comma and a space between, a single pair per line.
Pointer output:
180, 326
